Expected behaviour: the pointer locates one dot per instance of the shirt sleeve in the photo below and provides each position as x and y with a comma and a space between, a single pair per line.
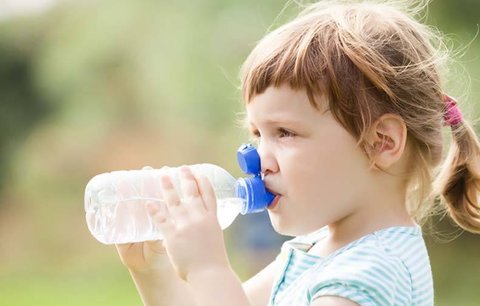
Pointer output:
367, 278
353, 292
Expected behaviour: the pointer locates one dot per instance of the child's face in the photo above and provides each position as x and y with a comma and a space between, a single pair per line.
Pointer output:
307, 158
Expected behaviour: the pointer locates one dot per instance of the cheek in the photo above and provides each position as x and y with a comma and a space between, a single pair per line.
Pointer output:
327, 174
320, 184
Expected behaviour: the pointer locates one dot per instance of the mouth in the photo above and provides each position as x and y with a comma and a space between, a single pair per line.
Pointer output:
275, 200
272, 191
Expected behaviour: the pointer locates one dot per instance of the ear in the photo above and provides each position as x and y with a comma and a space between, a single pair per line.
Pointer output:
388, 139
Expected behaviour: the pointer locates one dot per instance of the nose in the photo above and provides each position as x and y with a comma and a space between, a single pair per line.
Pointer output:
268, 160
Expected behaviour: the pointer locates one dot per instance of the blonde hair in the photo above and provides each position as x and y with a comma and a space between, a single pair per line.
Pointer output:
368, 59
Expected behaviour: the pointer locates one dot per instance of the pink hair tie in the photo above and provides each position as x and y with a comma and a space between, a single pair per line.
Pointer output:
452, 115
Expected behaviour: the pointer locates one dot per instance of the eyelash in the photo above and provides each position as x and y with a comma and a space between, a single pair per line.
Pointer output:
286, 133
281, 133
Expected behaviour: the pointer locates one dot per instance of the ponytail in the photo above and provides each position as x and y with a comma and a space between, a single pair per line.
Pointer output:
458, 182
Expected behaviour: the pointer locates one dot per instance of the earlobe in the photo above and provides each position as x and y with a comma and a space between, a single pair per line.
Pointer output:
389, 135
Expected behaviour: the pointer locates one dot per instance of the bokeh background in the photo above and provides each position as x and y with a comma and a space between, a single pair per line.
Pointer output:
94, 86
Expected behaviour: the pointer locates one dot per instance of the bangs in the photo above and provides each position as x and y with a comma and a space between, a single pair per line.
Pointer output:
289, 55
309, 54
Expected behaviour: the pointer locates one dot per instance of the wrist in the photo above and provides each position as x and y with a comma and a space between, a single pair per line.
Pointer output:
160, 286
208, 273
150, 270
159, 265
156, 274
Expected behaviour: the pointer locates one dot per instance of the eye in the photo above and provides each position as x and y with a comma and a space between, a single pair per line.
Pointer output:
254, 136
285, 133
255, 133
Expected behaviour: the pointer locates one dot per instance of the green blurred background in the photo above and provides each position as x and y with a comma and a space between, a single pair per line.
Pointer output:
94, 86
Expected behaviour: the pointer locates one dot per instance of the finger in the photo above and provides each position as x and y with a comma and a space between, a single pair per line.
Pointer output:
149, 188
207, 193
148, 193
163, 223
123, 185
190, 191
155, 205
124, 213
174, 205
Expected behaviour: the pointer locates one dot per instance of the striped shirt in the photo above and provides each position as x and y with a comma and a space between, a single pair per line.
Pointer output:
387, 267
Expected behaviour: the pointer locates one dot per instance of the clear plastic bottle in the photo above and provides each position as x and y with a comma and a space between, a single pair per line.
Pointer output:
115, 202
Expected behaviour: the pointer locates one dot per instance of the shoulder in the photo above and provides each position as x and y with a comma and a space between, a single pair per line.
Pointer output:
371, 271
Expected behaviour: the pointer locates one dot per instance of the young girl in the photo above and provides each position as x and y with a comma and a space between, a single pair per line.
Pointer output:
347, 105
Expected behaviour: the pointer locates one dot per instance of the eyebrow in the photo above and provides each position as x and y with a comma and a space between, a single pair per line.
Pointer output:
274, 122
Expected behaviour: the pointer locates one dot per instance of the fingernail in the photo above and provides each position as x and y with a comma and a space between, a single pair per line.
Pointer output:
185, 171
166, 182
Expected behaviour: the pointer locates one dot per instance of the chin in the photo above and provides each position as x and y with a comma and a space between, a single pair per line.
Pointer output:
283, 226
290, 227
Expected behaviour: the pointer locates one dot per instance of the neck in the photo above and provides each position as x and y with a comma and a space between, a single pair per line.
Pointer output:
386, 209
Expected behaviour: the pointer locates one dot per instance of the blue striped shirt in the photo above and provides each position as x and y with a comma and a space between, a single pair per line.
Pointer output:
387, 267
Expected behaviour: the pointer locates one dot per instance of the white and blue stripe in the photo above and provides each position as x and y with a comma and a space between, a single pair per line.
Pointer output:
387, 267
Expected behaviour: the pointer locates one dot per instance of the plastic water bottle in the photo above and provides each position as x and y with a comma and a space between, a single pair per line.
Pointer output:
115, 202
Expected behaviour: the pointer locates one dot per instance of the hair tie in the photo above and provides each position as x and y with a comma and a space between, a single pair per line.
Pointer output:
452, 115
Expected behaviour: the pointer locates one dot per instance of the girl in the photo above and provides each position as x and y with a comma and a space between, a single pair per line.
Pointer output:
347, 105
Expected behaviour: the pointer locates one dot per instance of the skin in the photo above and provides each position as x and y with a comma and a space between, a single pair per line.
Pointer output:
321, 178
334, 184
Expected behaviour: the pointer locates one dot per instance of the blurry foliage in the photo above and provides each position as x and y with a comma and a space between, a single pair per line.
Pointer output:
22, 104
95, 86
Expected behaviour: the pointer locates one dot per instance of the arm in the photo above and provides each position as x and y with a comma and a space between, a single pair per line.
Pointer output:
225, 286
217, 287
155, 288
258, 288
161, 286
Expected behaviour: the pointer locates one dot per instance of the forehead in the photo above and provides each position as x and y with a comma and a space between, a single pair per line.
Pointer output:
280, 104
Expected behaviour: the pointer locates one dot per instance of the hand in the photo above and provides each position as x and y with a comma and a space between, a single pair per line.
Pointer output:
153, 275
143, 256
192, 235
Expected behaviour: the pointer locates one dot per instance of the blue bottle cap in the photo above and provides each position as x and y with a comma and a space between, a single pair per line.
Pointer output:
252, 190
248, 159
